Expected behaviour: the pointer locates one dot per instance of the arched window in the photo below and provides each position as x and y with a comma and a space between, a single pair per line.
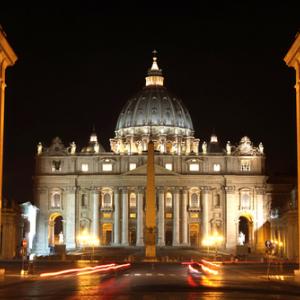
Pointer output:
245, 200
194, 200
132, 200
56, 200
168, 199
107, 203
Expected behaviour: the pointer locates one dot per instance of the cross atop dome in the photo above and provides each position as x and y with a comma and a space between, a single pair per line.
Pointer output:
154, 64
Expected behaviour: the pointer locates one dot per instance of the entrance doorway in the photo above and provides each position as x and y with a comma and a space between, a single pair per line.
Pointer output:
106, 234
244, 228
169, 237
194, 234
132, 237
56, 230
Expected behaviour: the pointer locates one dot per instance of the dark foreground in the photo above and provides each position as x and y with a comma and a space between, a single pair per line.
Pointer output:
154, 281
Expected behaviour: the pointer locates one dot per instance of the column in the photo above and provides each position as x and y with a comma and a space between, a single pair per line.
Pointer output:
125, 217
161, 218
140, 218
41, 241
205, 212
69, 217
77, 214
232, 222
176, 218
184, 223
7, 58
116, 217
260, 220
95, 224
292, 59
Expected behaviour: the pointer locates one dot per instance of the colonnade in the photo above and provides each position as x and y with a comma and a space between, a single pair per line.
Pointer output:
179, 212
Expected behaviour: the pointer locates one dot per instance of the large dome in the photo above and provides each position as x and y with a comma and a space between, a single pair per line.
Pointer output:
154, 114
154, 106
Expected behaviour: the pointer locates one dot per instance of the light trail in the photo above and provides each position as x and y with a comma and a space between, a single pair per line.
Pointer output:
210, 263
63, 272
104, 269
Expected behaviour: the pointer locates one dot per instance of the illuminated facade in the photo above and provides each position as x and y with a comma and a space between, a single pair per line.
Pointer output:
90, 196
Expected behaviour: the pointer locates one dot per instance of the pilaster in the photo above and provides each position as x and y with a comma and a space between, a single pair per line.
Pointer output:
184, 223
161, 217
205, 211
176, 220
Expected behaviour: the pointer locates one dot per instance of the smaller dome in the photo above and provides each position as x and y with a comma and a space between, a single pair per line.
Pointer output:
213, 145
93, 146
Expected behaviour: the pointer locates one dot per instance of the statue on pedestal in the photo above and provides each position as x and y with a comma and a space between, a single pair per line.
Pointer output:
242, 239
61, 238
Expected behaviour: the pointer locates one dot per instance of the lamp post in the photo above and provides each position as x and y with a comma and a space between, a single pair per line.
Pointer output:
95, 242
88, 240
83, 238
217, 240
213, 240
207, 242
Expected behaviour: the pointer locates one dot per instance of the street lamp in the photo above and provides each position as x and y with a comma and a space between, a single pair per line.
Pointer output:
217, 240
213, 240
83, 239
94, 241
207, 242
88, 240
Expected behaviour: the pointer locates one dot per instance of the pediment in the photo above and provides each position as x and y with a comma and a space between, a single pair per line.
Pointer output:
142, 170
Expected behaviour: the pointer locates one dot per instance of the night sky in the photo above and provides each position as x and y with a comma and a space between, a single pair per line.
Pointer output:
78, 65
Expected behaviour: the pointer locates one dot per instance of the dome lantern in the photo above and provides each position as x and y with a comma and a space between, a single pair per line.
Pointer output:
155, 73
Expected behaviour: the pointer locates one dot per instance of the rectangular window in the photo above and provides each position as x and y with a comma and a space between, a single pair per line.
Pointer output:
217, 167
194, 167
56, 200
132, 166
106, 215
56, 165
168, 216
169, 166
194, 215
245, 165
132, 215
84, 167
106, 167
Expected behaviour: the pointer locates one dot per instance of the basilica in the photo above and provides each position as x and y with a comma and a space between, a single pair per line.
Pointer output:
94, 197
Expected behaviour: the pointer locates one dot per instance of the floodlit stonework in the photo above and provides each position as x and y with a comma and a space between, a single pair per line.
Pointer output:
90, 196
7, 59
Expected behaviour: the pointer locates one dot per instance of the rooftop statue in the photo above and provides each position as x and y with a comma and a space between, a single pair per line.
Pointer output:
204, 147
228, 148
73, 148
39, 148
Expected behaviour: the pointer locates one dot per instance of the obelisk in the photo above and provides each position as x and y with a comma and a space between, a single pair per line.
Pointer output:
150, 228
